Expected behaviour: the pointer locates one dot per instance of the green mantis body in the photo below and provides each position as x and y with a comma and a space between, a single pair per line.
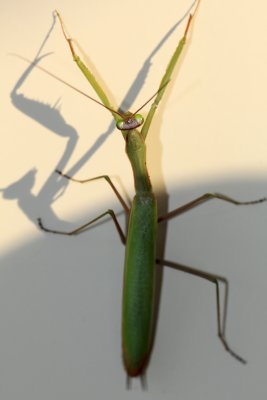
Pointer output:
139, 272
138, 288
140, 256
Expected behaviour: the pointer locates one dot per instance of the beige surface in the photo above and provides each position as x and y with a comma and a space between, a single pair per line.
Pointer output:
212, 129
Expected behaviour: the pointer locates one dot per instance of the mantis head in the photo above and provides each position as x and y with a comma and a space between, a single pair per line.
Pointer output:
130, 121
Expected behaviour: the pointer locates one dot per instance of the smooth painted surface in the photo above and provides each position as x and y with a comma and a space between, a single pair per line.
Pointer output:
60, 298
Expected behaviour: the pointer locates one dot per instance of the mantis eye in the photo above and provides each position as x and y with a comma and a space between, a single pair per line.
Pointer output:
130, 123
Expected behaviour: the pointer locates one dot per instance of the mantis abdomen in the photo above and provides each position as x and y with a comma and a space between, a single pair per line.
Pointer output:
138, 289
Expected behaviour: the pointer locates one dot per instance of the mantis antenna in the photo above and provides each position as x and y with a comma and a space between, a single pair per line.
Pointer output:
128, 120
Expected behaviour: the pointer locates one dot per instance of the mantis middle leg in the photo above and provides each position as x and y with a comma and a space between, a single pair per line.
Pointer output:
216, 279
83, 227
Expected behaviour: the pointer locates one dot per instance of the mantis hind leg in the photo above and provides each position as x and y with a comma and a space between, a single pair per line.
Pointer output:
206, 197
221, 316
216, 279
83, 227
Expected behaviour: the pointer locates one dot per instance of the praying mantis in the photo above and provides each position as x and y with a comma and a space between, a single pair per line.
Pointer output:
140, 240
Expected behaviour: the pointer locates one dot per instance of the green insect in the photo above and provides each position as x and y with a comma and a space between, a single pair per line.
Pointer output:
143, 219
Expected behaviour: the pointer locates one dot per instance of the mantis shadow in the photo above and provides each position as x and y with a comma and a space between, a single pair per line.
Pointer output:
34, 206
50, 117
